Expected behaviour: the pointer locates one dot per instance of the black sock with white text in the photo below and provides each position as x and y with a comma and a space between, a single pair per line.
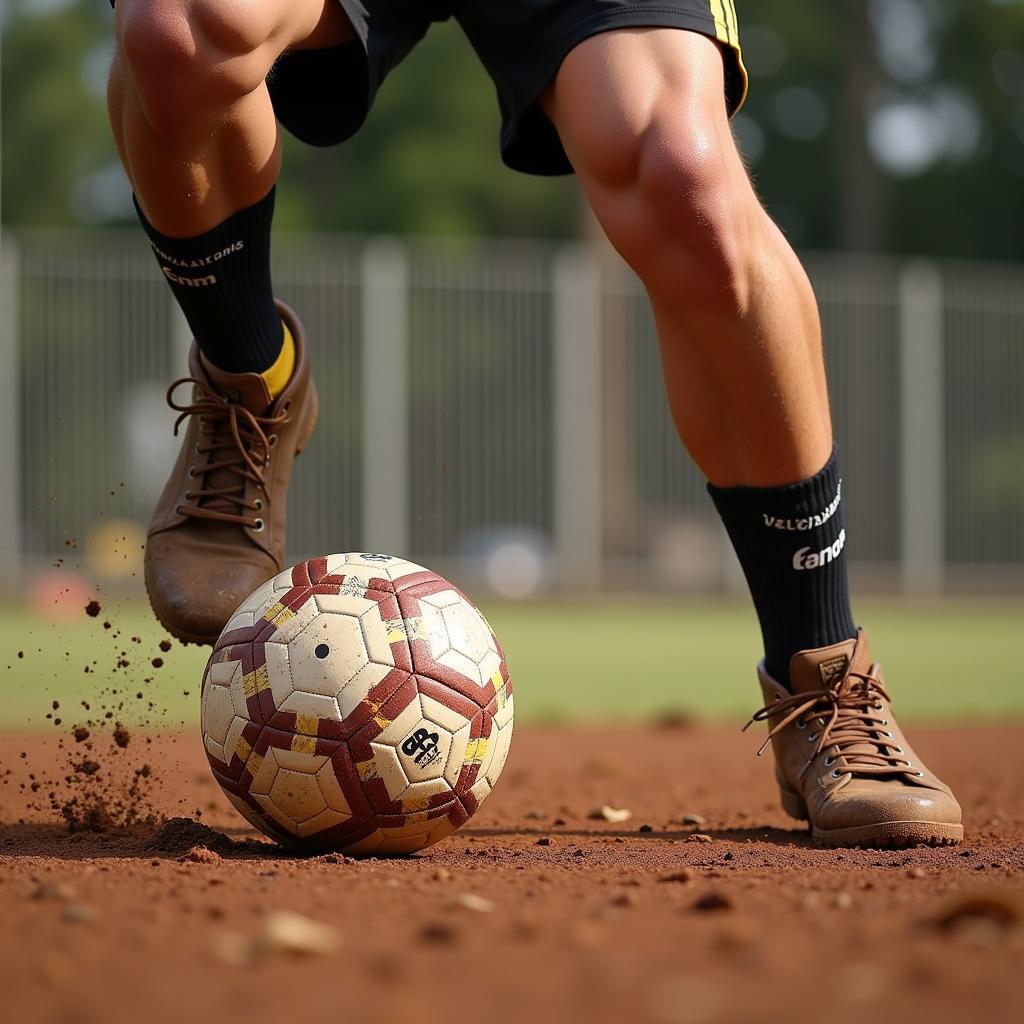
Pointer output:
221, 281
790, 542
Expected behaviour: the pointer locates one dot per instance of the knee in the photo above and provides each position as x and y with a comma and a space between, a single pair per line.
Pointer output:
182, 56
686, 210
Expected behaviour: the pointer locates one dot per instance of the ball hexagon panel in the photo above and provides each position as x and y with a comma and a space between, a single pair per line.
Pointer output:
330, 666
218, 714
255, 816
299, 792
279, 672
501, 741
309, 709
451, 641
328, 653
494, 753
253, 607
225, 716
422, 796
458, 637
415, 836
370, 568
371, 614
295, 796
282, 623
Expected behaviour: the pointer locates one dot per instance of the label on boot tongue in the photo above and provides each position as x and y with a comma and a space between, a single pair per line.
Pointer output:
833, 669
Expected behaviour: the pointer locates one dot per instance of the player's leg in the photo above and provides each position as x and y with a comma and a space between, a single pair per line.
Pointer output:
193, 123
642, 117
736, 318
195, 128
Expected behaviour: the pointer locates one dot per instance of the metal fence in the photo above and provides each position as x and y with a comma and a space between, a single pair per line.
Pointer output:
496, 410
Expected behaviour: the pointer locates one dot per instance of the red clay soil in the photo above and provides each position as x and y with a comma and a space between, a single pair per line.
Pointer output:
115, 909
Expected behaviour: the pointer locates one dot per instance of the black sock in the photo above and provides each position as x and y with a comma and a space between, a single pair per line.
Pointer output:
790, 541
221, 280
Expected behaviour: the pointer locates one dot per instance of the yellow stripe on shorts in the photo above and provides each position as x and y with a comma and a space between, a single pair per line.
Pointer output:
721, 19
727, 31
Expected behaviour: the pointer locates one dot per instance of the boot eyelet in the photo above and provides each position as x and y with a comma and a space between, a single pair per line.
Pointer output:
878, 707
888, 735
272, 440
188, 495
885, 721
258, 526
896, 750
812, 737
801, 725
829, 761
834, 774
195, 448
191, 472
920, 775
257, 504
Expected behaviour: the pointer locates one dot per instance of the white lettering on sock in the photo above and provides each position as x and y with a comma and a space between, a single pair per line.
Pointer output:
201, 261
805, 523
189, 282
804, 558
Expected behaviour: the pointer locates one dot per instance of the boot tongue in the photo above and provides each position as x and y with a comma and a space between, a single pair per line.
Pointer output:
824, 667
248, 389
828, 668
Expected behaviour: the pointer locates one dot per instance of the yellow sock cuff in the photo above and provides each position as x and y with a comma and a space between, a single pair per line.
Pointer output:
276, 377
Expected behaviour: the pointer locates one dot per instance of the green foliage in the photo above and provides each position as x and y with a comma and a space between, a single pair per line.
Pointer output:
973, 209
54, 130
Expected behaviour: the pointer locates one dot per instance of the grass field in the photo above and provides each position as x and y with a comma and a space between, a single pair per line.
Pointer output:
571, 661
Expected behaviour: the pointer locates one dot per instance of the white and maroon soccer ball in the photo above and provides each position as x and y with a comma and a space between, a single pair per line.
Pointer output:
357, 702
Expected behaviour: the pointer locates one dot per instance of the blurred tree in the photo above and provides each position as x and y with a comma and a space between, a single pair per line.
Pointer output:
54, 122
968, 199
861, 226
889, 124
871, 124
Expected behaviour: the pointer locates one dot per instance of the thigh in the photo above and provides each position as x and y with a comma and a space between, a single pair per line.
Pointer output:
524, 44
618, 91
236, 26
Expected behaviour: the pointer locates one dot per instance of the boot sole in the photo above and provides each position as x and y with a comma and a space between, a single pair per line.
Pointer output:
181, 636
879, 835
307, 432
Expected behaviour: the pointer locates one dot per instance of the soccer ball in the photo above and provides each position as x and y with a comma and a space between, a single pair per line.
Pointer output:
357, 702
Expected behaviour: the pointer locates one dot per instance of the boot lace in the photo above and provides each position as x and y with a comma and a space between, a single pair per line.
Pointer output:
237, 443
849, 714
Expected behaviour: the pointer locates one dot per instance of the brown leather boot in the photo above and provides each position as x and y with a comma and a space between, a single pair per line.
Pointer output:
218, 531
842, 762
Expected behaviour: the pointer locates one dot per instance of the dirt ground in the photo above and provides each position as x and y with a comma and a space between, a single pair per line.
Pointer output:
533, 912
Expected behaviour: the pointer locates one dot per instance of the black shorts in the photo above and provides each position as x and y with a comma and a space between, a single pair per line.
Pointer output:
323, 96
